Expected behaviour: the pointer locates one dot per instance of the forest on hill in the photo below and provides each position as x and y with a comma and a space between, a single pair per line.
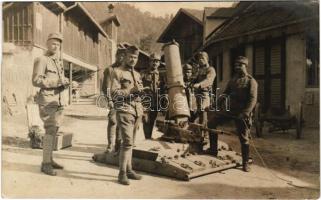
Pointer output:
136, 27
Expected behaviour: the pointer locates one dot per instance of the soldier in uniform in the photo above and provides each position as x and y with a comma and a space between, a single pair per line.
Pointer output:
151, 81
48, 75
242, 91
113, 138
203, 82
188, 80
127, 86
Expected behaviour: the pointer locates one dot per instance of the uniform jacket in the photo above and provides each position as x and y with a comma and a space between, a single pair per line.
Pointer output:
125, 100
243, 94
205, 77
107, 80
47, 75
151, 80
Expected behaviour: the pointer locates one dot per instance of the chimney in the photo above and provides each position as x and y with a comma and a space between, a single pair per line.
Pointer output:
111, 8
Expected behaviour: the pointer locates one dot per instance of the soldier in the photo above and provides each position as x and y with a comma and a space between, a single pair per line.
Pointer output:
242, 91
48, 75
188, 80
113, 138
151, 81
127, 86
203, 82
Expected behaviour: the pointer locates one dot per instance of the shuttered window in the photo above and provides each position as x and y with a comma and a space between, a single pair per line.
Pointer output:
269, 65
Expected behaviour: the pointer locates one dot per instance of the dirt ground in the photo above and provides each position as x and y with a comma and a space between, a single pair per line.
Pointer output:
288, 159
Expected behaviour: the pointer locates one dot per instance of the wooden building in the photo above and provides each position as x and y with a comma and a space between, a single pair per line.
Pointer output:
26, 26
281, 40
186, 28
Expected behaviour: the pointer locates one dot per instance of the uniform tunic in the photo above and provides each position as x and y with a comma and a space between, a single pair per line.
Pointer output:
127, 104
205, 77
151, 80
243, 96
48, 73
106, 88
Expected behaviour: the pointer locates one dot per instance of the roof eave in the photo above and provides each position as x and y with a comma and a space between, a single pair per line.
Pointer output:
100, 29
161, 37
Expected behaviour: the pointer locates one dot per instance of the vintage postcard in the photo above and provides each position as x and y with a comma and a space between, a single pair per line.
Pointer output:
161, 100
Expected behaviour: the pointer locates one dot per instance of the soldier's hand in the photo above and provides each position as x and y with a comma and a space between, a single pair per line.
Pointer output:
110, 105
196, 86
135, 89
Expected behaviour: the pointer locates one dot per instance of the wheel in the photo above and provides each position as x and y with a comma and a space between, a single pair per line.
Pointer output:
299, 122
257, 120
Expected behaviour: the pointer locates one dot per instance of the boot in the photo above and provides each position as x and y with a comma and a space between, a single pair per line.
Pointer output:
122, 178
245, 157
56, 165
133, 175
109, 148
213, 144
48, 169
117, 145
124, 155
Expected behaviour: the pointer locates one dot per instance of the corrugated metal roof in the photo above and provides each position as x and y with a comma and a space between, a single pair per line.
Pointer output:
261, 15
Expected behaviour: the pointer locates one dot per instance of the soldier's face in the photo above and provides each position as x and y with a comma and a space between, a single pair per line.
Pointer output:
188, 74
202, 61
53, 46
240, 68
155, 64
131, 59
120, 57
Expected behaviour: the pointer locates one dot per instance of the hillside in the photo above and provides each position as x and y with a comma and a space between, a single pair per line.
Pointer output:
136, 27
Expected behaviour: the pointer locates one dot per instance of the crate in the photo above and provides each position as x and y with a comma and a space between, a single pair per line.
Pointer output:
35, 124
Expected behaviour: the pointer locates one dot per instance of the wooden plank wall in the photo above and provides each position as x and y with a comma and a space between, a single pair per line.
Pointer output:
17, 24
80, 41
46, 22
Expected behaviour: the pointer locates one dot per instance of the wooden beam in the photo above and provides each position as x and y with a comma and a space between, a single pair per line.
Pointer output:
70, 81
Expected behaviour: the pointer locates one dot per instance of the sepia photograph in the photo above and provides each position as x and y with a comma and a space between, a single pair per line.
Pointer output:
160, 99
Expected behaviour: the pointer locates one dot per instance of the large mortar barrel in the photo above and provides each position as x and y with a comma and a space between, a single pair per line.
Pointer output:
178, 106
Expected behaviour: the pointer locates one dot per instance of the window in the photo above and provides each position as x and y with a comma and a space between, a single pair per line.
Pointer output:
312, 63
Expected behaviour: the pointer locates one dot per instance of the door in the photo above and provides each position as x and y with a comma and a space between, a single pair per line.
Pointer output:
269, 71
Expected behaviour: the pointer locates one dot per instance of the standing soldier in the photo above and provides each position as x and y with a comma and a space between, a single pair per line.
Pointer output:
48, 75
202, 85
242, 91
127, 86
188, 80
113, 138
151, 81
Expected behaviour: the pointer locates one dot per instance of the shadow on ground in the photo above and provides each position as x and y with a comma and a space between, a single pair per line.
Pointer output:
60, 173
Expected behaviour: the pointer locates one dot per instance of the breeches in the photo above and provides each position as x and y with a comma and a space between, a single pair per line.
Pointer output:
126, 124
52, 116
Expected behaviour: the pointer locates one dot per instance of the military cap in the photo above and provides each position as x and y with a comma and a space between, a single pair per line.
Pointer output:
120, 50
57, 36
243, 60
202, 54
132, 50
154, 56
187, 67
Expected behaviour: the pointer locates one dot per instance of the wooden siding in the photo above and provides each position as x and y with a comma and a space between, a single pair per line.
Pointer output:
46, 22
79, 41
17, 24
